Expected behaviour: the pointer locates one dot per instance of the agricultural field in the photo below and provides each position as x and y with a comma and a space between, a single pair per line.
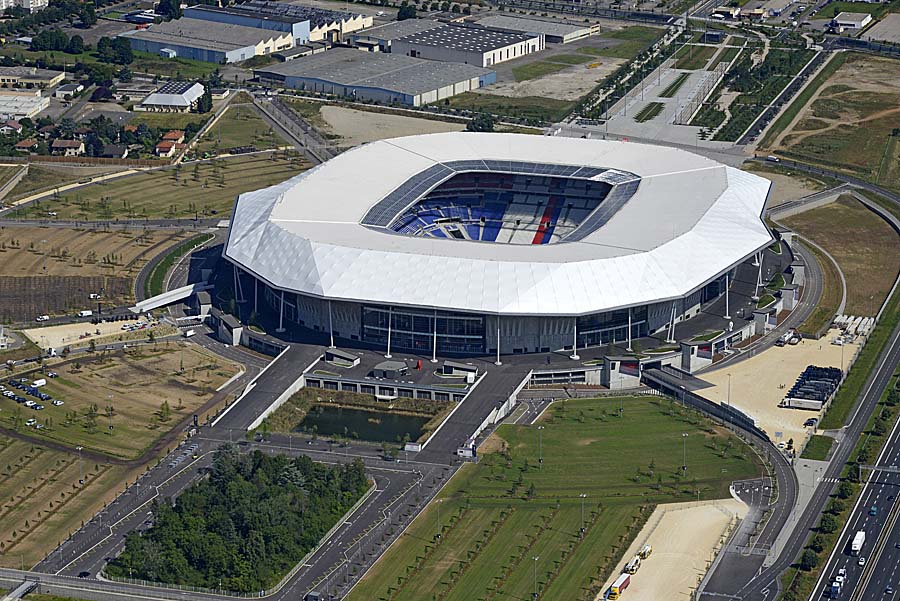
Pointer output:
141, 393
851, 123
203, 189
241, 125
44, 502
870, 263
478, 540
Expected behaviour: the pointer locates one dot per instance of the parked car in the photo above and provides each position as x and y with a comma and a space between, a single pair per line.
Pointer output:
58, 403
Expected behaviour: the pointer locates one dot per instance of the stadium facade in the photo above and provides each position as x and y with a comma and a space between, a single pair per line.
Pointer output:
448, 243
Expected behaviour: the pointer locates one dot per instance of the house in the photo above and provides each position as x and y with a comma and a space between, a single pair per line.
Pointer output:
26, 145
68, 90
130, 128
11, 127
114, 151
81, 132
165, 149
47, 131
174, 135
69, 148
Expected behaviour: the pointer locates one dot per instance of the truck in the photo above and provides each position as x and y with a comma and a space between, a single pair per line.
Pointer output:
634, 565
85, 313
646, 551
834, 590
618, 586
795, 403
189, 333
859, 539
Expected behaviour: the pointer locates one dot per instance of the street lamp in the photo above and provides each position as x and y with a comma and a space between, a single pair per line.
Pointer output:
684, 445
534, 595
439, 517
583, 497
540, 447
80, 467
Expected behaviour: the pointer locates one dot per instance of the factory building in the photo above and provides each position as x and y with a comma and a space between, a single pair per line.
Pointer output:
554, 31
471, 45
379, 39
238, 15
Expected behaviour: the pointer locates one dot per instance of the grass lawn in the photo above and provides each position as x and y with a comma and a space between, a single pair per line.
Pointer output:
528, 107
673, 87
828, 303
817, 448
42, 177
535, 70
241, 125
725, 56
134, 385
6, 173
631, 42
569, 59
168, 121
205, 188
497, 514
156, 282
830, 11
144, 62
44, 503
777, 282
694, 57
870, 263
649, 112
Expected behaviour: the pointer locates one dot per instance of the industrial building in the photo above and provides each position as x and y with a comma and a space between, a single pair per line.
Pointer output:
323, 24
22, 76
31, 6
173, 97
238, 15
209, 41
472, 244
378, 39
385, 78
19, 107
847, 20
468, 44
555, 32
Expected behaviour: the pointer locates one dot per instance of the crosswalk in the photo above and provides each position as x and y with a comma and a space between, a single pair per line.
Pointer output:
828, 480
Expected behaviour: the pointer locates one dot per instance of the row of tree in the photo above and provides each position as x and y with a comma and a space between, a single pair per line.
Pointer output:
115, 51
245, 526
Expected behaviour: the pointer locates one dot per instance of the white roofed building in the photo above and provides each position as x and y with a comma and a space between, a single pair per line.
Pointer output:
173, 97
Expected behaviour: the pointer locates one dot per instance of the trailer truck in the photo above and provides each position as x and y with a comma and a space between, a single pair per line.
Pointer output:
619, 585
859, 539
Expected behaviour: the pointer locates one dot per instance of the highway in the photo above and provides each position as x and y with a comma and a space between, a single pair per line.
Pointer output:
880, 491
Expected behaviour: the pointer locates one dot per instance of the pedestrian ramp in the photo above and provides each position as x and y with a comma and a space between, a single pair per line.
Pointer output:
20, 591
169, 297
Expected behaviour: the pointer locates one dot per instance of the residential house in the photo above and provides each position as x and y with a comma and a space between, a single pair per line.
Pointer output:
69, 148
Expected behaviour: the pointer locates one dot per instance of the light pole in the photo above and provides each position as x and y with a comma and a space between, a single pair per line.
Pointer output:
534, 595
439, 518
583, 497
80, 467
540, 447
684, 448
728, 401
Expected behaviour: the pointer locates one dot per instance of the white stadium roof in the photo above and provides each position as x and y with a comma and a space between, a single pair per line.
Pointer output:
688, 220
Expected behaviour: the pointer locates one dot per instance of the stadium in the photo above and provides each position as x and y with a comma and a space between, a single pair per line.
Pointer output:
456, 243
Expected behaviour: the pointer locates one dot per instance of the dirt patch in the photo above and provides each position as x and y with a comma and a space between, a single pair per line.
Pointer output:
569, 84
358, 127
492, 444
787, 187
683, 536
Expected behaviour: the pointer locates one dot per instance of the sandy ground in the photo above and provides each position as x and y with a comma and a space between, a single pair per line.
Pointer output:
886, 30
73, 333
684, 537
788, 187
569, 84
359, 127
755, 383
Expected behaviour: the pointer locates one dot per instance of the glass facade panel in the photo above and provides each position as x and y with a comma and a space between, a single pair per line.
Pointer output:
414, 330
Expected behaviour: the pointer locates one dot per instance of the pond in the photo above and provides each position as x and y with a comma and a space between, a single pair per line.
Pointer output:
374, 426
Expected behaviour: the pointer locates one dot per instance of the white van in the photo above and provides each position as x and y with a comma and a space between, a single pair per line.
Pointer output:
42, 318
189, 333
85, 313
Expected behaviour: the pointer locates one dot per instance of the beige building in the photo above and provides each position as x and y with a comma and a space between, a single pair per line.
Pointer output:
22, 76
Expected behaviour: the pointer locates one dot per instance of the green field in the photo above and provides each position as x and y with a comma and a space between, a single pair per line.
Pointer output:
494, 516
673, 87
167, 121
156, 282
649, 112
7, 171
42, 177
241, 125
144, 62
631, 42
817, 448
533, 108
692, 57
535, 70
831, 10
725, 56
201, 189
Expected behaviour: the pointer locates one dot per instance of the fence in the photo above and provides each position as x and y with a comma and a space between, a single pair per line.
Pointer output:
709, 83
82, 161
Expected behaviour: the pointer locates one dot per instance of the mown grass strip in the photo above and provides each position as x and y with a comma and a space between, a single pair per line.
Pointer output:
649, 112
674, 86
155, 282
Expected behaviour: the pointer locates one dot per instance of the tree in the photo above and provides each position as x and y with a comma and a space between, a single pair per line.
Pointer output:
481, 122
407, 11
828, 524
101, 94
169, 9
808, 560
75, 45
204, 104
845, 490
165, 412
87, 16
817, 543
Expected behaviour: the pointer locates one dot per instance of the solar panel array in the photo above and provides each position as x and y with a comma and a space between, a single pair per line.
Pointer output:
388, 208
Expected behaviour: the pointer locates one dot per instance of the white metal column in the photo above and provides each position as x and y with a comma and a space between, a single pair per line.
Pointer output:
281, 314
238, 288
498, 362
255, 286
434, 339
574, 356
387, 355
629, 328
330, 328
672, 325
727, 310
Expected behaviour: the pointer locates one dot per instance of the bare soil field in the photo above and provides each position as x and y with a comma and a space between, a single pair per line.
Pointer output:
786, 187
44, 501
865, 247
849, 123
358, 127
54, 270
683, 537
886, 30
141, 394
568, 84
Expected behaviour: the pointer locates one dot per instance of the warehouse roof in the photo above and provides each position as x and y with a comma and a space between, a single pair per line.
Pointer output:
684, 220
345, 66
466, 38
857, 18
531, 25
210, 35
399, 29
175, 93
239, 11
316, 16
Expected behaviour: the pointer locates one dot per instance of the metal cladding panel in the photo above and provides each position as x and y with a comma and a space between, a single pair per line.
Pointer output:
689, 221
